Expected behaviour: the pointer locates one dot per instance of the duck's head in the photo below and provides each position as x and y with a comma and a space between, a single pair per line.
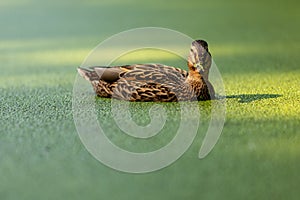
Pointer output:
199, 58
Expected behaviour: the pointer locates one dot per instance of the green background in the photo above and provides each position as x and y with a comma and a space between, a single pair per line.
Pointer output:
256, 47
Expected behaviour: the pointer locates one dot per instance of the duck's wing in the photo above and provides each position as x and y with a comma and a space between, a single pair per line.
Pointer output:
113, 74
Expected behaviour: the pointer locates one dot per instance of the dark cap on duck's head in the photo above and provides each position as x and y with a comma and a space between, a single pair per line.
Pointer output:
199, 58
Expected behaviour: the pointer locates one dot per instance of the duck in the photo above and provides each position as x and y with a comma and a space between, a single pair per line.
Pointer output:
155, 82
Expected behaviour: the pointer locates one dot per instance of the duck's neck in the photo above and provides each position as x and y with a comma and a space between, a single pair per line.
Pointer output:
194, 76
194, 79
194, 82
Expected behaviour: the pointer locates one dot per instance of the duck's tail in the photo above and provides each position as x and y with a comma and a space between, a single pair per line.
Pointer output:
88, 74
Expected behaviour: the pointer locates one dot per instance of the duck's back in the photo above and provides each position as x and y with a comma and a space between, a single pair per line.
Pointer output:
151, 83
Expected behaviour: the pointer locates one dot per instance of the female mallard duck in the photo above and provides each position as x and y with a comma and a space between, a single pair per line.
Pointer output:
155, 82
